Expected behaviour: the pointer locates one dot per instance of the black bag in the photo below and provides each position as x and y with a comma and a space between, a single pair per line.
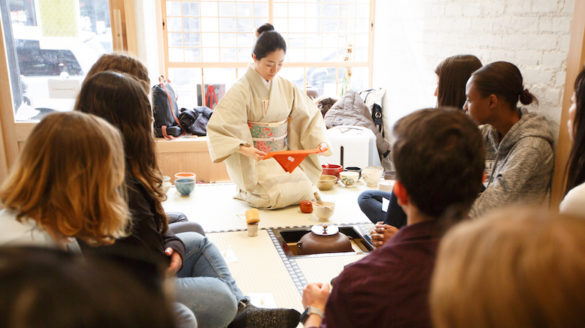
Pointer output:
195, 120
165, 110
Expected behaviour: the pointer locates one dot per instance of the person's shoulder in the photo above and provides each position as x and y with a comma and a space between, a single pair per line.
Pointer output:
6, 214
572, 204
21, 232
378, 259
533, 144
241, 88
138, 195
9, 221
285, 84
534, 124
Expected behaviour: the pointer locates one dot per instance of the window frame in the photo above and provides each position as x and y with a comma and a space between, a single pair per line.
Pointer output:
239, 66
14, 133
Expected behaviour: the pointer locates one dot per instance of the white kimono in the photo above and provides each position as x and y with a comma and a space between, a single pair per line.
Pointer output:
264, 183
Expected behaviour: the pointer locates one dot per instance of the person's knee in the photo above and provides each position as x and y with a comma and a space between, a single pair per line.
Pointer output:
221, 310
365, 199
193, 241
184, 317
210, 299
364, 196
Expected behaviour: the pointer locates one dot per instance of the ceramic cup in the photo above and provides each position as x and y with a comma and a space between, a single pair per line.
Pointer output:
349, 178
189, 175
253, 230
166, 184
372, 175
185, 186
331, 169
354, 169
326, 182
323, 210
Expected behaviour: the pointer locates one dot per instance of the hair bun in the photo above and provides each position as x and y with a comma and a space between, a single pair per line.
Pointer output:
526, 97
264, 28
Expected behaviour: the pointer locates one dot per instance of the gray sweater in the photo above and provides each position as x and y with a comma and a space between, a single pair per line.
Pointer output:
521, 164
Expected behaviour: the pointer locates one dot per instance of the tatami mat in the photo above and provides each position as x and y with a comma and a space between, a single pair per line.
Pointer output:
258, 264
257, 268
324, 268
213, 206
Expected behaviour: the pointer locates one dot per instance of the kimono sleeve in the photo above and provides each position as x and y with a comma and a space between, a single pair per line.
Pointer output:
227, 129
306, 131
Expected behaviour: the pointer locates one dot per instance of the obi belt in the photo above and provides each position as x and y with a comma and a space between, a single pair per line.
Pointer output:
269, 137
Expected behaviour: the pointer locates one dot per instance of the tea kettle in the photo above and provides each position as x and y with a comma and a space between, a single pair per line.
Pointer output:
324, 239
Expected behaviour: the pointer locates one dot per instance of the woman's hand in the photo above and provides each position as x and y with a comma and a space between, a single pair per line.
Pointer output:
176, 261
250, 151
324, 148
382, 233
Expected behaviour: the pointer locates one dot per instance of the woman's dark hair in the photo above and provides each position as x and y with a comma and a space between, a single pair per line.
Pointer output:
453, 73
122, 101
268, 41
576, 161
439, 152
264, 28
502, 79
48, 288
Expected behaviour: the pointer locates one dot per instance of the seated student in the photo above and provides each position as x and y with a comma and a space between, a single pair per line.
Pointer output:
67, 182
575, 188
452, 75
51, 288
204, 283
515, 267
519, 144
439, 165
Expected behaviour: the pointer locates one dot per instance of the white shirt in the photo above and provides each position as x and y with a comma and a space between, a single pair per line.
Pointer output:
574, 202
267, 83
26, 233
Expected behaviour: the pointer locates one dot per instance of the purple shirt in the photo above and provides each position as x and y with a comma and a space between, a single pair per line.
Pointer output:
389, 287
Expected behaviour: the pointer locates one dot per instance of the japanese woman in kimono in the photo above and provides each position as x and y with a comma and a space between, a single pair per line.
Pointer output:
262, 113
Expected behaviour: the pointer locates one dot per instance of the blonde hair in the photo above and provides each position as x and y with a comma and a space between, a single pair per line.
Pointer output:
69, 177
123, 63
521, 267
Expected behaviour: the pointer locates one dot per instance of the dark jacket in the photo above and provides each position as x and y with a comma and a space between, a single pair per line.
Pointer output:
146, 226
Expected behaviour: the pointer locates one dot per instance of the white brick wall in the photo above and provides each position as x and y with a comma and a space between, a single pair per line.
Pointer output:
413, 36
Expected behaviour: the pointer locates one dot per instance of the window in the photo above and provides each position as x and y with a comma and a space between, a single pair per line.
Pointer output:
208, 44
51, 46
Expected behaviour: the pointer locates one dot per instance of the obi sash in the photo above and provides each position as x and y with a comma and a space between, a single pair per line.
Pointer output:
269, 137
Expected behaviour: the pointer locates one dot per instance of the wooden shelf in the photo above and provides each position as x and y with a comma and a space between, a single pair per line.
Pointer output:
189, 154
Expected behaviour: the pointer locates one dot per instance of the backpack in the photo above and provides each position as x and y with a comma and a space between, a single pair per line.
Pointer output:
165, 110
